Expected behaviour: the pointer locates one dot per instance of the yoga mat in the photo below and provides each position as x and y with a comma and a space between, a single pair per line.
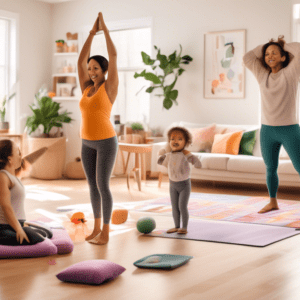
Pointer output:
230, 233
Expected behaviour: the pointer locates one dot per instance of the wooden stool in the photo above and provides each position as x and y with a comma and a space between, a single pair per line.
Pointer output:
138, 149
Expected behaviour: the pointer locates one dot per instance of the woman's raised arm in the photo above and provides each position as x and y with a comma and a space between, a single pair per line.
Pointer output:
83, 75
112, 81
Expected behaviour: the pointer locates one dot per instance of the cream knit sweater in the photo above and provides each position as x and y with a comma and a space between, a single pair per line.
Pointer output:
278, 98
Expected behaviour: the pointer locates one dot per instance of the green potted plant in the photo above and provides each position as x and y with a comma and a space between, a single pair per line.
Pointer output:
171, 65
60, 45
138, 129
43, 129
4, 125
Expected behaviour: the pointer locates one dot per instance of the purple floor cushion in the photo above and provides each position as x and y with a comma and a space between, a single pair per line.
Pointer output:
91, 272
60, 243
44, 248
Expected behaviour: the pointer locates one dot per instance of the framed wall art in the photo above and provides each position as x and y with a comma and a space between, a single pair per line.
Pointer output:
224, 72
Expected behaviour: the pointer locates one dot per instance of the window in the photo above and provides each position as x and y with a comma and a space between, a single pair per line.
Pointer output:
8, 64
129, 42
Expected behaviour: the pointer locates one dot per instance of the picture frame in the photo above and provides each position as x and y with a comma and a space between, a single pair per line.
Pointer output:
224, 71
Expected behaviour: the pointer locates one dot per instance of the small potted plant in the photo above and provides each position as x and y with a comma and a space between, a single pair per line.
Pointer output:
4, 126
138, 129
60, 45
47, 119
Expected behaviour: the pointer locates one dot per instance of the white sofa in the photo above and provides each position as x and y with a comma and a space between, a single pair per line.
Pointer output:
233, 168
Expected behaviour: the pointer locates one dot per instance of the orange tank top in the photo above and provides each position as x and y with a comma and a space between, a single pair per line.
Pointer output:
95, 112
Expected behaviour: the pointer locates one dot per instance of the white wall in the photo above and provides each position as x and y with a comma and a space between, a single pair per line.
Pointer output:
35, 53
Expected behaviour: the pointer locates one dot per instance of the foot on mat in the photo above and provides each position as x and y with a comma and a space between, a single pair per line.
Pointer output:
268, 207
172, 230
182, 231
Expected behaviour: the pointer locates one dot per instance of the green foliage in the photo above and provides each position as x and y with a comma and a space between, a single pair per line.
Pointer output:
168, 65
60, 41
46, 114
137, 126
3, 110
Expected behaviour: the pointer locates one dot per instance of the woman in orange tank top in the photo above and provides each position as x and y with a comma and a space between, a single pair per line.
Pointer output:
99, 140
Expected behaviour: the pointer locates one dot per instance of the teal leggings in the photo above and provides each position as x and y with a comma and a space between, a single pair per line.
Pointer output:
271, 139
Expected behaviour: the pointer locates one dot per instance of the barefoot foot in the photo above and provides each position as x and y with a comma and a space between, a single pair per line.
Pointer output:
182, 231
172, 230
93, 234
269, 207
103, 237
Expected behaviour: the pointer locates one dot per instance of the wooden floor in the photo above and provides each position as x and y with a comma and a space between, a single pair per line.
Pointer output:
217, 271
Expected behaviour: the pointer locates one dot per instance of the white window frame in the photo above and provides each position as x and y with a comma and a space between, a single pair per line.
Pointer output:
126, 25
12, 84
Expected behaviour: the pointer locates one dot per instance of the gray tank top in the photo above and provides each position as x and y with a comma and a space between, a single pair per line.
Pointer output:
17, 198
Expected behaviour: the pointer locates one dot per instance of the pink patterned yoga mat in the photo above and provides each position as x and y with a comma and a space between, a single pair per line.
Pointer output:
231, 208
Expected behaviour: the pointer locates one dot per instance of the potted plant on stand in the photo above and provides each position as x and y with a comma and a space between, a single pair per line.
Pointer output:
44, 130
4, 126
138, 133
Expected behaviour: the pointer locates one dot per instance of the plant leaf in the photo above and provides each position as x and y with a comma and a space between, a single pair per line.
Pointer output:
172, 56
187, 57
180, 71
142, 74
167, 103
150, 89
168, 88
173, 94
147, 59
152, 77
163, 60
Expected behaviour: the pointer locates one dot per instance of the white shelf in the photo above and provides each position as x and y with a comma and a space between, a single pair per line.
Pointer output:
64, 74
64, 98
65, 53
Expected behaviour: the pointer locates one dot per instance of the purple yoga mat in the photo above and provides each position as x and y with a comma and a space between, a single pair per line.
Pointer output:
230, 233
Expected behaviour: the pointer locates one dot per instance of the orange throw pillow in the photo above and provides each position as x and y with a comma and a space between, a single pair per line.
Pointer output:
228, 143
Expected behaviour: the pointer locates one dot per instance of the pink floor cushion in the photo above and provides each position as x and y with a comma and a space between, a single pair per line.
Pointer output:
91, 272
44, 248
62, 241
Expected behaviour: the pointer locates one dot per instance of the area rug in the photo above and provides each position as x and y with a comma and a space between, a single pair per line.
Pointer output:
231, 208
230, 233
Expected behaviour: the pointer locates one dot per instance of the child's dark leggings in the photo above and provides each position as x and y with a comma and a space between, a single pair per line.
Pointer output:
8, 235
271, 139
180, 195
98, 159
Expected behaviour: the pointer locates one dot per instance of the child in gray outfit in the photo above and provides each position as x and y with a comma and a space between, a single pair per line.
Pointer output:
177, 161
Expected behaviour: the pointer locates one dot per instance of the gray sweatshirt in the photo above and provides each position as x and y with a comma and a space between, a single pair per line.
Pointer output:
17, 198
278, 99
178, 164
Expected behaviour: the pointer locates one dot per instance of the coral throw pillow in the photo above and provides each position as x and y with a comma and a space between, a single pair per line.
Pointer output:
228, 143
202, 138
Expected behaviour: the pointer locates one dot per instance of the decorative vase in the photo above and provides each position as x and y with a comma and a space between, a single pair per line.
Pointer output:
4, 127
136, 138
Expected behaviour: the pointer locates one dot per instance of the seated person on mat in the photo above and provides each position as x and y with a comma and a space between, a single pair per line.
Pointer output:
177, 161
12, 196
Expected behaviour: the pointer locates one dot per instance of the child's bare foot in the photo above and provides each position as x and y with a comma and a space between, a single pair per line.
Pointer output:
93, 234
172, 230
182, 231
269, 207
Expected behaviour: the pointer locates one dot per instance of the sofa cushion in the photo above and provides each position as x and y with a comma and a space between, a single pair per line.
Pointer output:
228, 143
247, 142
286, 167
256, 149
246, 164
202, 138
213, 161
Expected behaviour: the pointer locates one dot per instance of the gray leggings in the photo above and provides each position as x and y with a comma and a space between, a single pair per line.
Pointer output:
98, 159
180, 195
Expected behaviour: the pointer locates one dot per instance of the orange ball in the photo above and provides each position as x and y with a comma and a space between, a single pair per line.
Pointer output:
119, 216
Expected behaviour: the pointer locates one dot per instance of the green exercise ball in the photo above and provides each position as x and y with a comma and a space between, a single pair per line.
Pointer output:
145, 224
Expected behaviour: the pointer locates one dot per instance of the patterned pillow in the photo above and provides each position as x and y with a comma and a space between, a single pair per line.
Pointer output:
202, 138
247, 142
91, 272
228, 143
